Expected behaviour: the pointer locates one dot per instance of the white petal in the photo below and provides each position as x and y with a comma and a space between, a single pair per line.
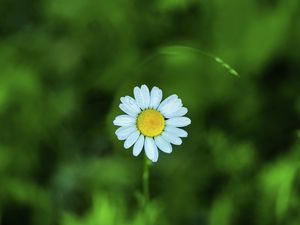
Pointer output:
131, 139
171, 107
163, 145
168, 100
171, 138
151, 149
156, 96
176, 131
138, 146
146, 95
130, 103
124, 120
139, 97
128, 110
181, 112
124, 132
178, 121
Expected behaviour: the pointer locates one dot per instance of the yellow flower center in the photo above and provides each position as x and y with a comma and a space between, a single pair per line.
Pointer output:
151, 123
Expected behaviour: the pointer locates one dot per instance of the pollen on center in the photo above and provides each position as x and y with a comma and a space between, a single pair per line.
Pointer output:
151, 123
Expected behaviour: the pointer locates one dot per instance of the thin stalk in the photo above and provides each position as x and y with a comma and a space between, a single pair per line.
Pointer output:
146, 179
179, 49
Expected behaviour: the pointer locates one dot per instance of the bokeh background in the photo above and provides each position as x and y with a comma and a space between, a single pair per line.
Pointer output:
64, 66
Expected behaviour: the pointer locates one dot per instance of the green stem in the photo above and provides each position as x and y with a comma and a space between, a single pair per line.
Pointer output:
146, 179
178, 49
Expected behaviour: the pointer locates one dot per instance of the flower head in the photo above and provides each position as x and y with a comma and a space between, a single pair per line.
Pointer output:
151, 123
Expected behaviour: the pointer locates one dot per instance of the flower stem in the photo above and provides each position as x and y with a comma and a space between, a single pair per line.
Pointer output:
146, 179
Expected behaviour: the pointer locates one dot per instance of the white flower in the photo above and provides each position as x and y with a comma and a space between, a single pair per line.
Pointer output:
150, 123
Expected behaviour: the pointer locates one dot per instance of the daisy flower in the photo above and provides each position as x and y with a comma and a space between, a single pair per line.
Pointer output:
151, 123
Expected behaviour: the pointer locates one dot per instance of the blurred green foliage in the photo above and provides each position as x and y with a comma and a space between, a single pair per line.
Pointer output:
65, 64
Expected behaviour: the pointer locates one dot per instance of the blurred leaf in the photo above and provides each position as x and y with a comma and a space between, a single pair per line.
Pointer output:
222, 211
278, 185
110, 211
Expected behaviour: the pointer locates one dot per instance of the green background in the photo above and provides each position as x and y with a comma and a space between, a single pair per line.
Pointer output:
64, 66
